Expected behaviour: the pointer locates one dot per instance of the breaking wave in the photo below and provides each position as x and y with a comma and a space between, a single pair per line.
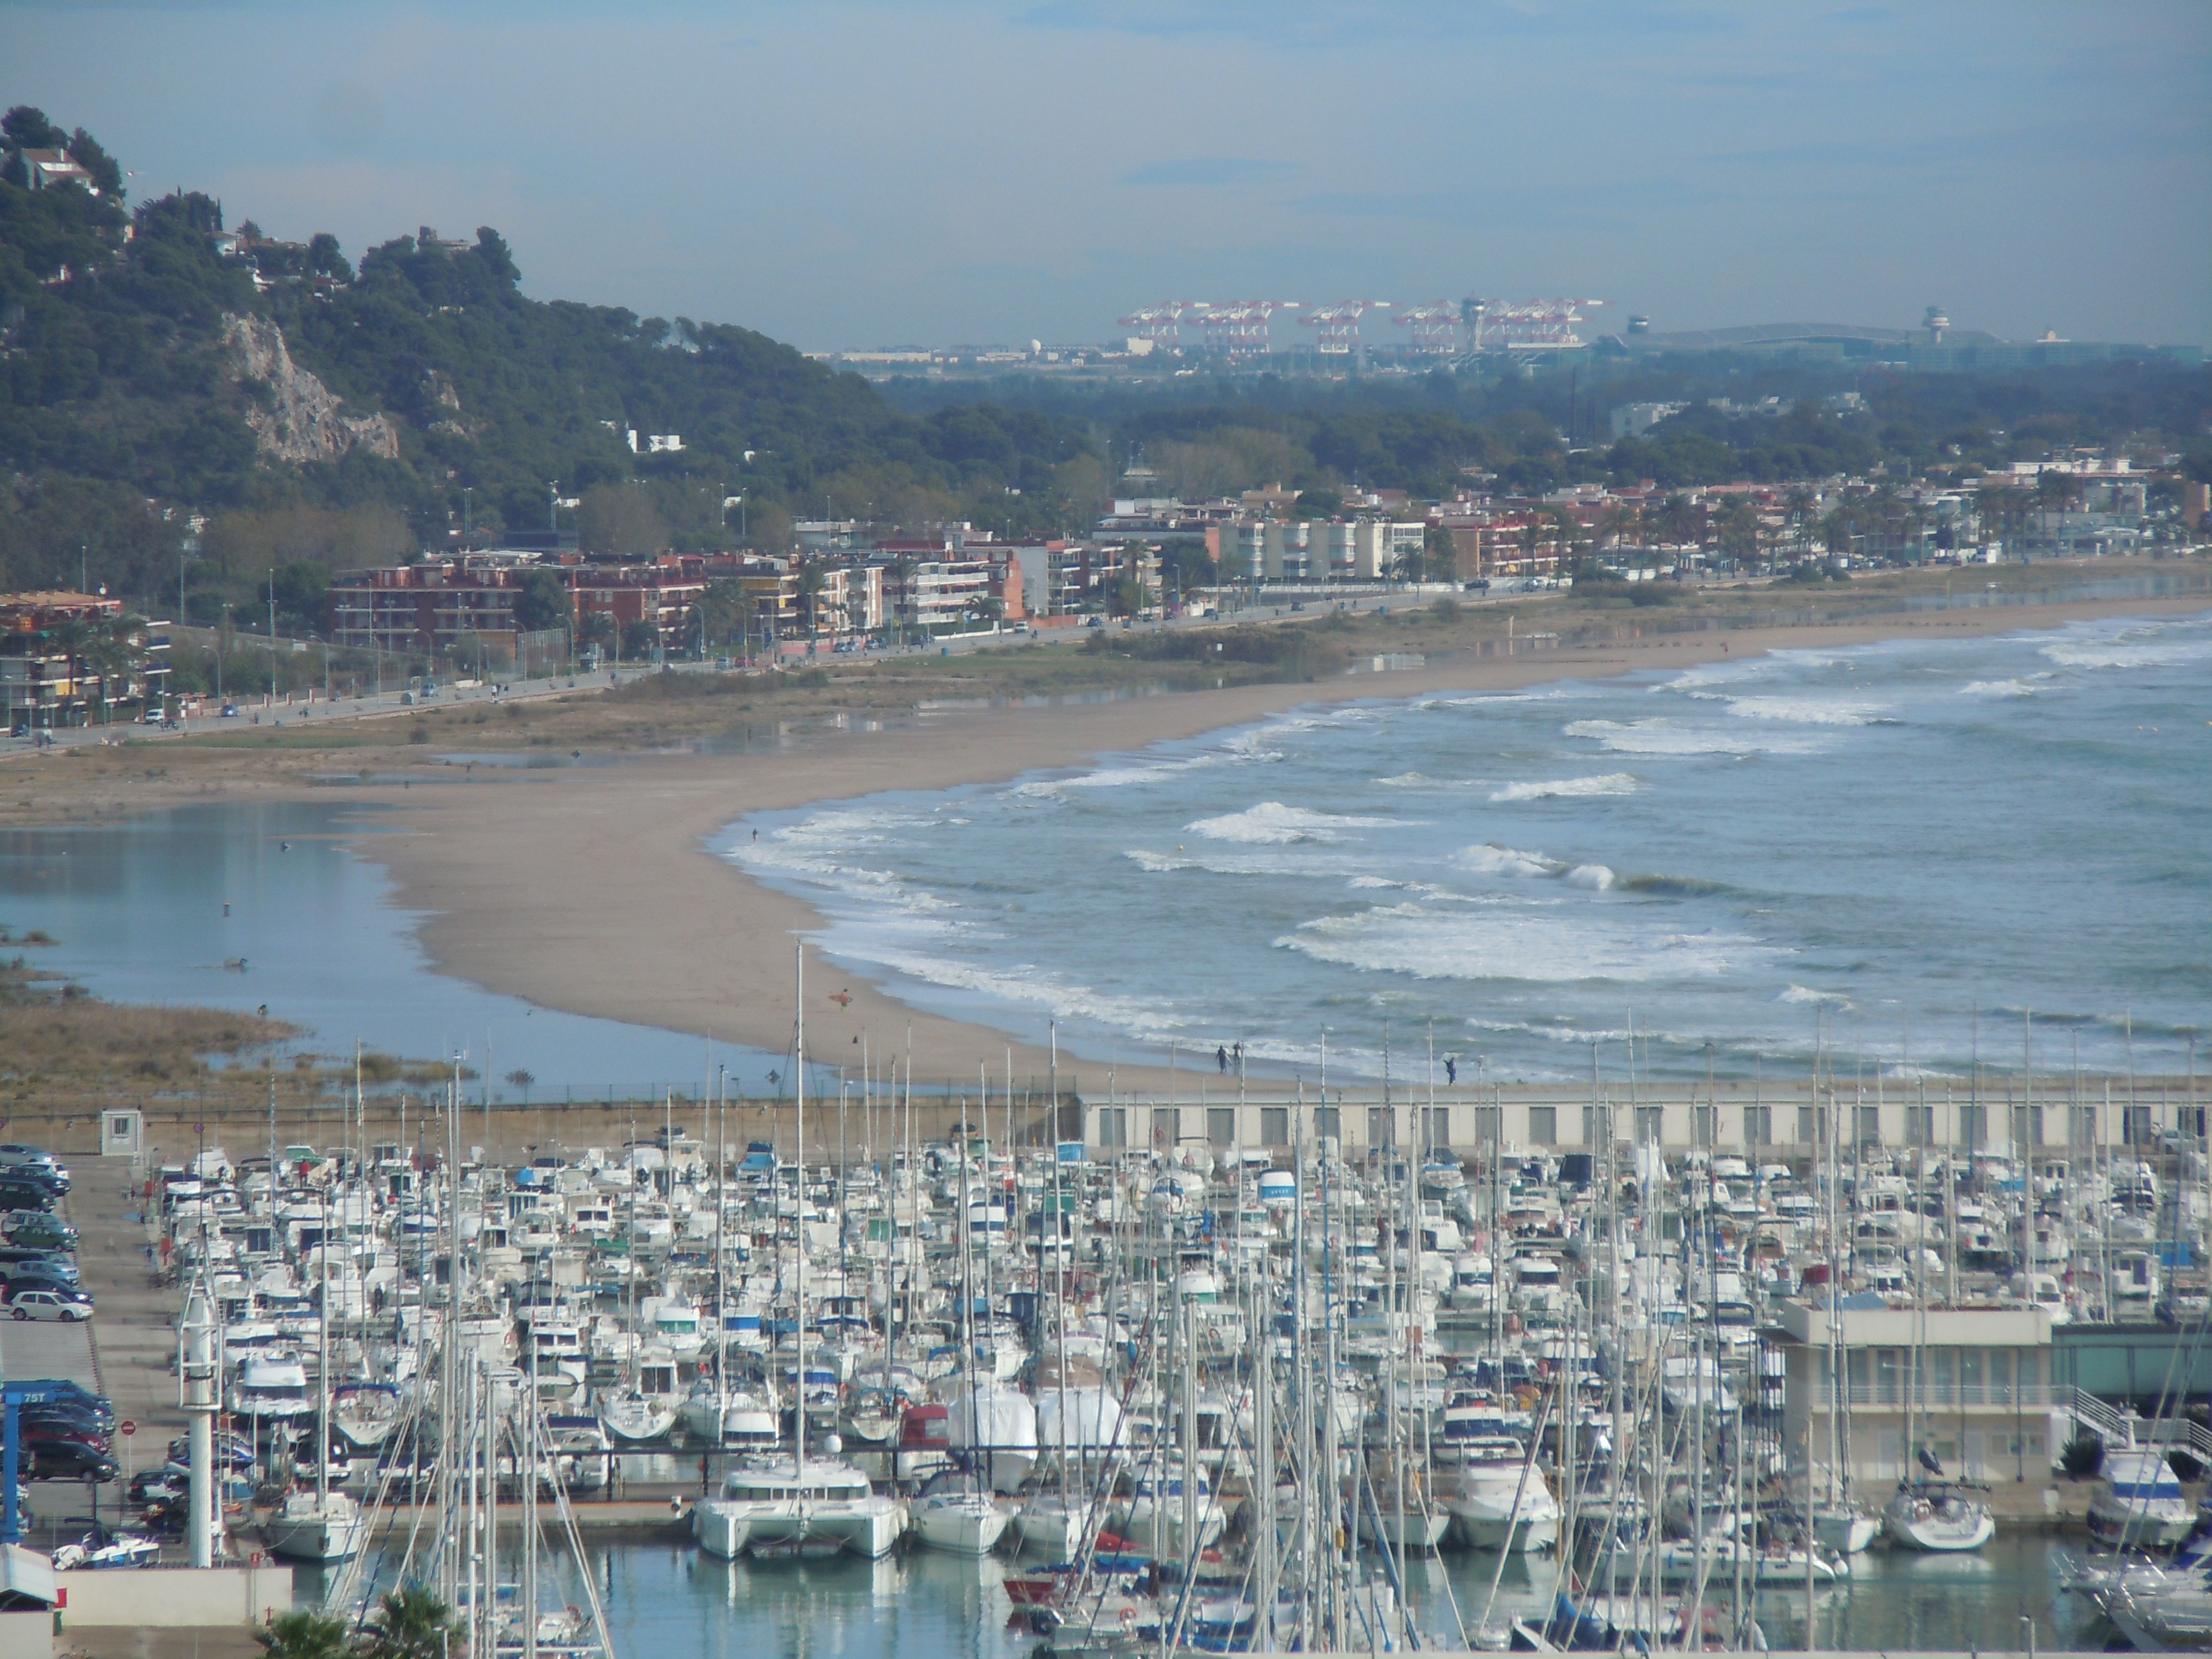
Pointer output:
1608, 783
1664, 737
1273, 824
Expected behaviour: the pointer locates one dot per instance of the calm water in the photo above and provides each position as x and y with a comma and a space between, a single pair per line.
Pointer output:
1916, 842
668, 1598
140, 911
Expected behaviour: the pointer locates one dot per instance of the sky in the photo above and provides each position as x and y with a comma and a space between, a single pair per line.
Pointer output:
853, 175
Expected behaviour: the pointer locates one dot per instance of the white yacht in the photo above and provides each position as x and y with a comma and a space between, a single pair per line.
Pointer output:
646, 1409
958, 1520
1483, 1504
316, 1526
272, 1388
736, 1416
2139, 1503
1939, 1516
779, 1506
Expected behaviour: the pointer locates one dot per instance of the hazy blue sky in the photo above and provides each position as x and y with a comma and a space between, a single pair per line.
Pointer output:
847, 174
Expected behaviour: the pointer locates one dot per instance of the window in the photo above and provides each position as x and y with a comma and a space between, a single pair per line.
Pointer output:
1486, 1124
1380, 1125
1329, 1121
1437, 1130
2027, 1126
2081, 1126
1870, 1126
1275, 1125
1701, 1125
1973, 1124
2001, 1376
1543, 1125
1919, 1126
1758, 1125
1887, 1370
1650, 1125
1221, 1126
1167, 1125
1113, 1126
2135, 1126
1970, 1377
1597, 1126
1808, 1126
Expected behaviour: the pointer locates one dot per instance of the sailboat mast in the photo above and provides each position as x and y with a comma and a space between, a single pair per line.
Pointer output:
799, 1218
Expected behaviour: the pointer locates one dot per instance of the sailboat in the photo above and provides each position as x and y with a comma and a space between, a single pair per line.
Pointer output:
317, 1524
780, 1508
1940, 1516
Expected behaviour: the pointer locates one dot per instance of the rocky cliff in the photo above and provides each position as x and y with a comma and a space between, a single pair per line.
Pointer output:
294, 416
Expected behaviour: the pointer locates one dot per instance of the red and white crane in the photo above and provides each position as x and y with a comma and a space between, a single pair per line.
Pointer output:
1162, 324
1240, 327
1340, 322
1435, 327
1524, 324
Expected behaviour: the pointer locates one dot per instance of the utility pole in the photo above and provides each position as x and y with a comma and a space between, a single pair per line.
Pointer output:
272, 636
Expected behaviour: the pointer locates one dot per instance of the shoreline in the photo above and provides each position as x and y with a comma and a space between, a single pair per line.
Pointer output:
636, 935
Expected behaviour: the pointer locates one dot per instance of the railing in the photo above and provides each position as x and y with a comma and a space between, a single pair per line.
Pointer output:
2116, 1427
1938, 1397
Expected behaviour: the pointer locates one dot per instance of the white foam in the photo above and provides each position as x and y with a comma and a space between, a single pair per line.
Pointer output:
1594, 877
1493, 860
1805, 711
2156, 645
1665, 737
1516, 943
1270, 822
1406, 780
1608, 783
1806, 994
1997, 688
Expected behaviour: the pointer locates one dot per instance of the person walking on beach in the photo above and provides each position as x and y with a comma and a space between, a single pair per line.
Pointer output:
1221, 1059
1451, 1070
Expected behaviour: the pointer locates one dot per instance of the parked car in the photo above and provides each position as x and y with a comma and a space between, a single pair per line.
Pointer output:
18, 1194
51, 1305
69, 1461
37, 1230
48, 1266
13, 1152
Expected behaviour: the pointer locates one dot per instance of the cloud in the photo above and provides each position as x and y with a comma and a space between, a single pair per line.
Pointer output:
1211, 171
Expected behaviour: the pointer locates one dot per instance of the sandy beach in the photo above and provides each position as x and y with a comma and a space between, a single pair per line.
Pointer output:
592, 890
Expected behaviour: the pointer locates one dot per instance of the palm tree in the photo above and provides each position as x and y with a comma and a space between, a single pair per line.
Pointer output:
411, 1623
304, 1633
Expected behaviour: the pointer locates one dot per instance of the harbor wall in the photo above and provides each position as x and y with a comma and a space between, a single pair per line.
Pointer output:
175, 1598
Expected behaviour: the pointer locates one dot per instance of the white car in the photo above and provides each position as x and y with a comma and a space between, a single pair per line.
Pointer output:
49, 1304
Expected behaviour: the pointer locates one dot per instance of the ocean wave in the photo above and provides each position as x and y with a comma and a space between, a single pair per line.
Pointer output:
1674, 886
1270, 822
2155, 646
1516, 943
1594, 877
1999, 688
1806, 994
1493, 859
1664, 737
1019, 985
1805, 711
1608, 783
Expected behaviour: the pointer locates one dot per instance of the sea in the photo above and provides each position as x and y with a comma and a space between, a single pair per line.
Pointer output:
1918, 857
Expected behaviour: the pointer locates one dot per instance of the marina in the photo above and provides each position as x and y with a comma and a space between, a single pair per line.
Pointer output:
1230, 1399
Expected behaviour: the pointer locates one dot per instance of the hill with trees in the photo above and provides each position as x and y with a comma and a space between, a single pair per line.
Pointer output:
182, 401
